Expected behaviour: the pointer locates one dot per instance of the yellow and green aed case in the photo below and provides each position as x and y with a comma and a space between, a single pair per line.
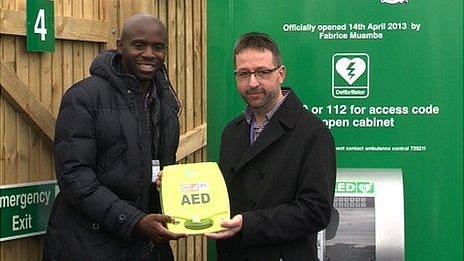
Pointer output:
195, 195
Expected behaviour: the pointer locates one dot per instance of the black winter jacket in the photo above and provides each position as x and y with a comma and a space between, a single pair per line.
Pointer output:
103, 158
282, 185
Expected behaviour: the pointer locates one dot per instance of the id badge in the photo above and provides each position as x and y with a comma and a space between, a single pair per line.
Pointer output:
155, 170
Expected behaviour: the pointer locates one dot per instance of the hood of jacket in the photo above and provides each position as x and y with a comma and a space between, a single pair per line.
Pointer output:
107, 65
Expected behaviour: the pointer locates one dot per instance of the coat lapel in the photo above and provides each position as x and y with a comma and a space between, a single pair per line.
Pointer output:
283, 120
239, 143
271, 133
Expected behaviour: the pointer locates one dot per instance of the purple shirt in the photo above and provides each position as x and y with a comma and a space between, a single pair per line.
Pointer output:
255, 129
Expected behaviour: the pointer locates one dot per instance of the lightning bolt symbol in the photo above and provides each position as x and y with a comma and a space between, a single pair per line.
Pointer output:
351, 69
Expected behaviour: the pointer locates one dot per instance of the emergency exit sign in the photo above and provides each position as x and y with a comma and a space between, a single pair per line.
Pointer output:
25, 208
40, 26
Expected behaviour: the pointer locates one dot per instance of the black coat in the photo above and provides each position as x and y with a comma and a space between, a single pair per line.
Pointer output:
283, 185
103, 165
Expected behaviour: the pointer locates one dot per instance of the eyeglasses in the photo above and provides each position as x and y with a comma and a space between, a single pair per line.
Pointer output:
259, 74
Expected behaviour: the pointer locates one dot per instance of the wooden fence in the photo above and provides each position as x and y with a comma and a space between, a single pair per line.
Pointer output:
32, 85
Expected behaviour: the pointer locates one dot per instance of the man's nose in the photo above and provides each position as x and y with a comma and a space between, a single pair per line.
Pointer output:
253, 81
149, 52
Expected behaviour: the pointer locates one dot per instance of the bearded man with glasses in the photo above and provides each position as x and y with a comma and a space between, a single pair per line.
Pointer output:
278, 160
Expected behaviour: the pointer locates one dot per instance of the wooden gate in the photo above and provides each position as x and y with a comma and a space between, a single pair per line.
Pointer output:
32, 85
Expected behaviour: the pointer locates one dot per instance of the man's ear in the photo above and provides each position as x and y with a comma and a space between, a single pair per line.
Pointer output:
282, 74
119, 46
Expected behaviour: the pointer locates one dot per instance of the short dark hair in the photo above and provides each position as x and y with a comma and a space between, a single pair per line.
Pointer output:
260, 42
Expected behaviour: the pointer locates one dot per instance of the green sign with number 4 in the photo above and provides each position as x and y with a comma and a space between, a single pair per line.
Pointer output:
40, 26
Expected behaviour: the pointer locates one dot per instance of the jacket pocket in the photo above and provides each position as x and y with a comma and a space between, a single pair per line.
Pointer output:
109, 156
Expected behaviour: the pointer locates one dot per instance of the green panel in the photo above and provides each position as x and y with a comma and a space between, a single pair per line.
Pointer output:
40, 26
25, 208
414, 62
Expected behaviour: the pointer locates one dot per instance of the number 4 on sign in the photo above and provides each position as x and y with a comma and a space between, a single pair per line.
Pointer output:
39, 26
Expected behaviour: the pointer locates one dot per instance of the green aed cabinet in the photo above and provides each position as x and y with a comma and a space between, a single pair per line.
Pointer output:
385, 75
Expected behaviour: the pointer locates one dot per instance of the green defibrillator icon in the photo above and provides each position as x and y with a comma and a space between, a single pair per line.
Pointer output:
195, 195
350, 75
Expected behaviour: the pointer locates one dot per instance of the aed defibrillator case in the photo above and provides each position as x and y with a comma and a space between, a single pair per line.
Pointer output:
195, 195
